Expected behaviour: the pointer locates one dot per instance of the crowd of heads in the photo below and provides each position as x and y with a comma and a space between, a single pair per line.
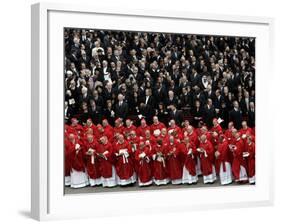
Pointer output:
118, 74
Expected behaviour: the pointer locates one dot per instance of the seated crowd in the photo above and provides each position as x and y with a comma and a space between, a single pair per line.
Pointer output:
156, 154
187, 103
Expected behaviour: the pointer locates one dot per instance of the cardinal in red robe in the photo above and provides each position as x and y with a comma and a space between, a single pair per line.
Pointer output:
75, 128
174, 129
160, 176
124, 165
194, 139
142, 128
92, 161
156, 127
222, 155
107, 128
239, 162
250, 155
174, 167
129, 127
143, 159
107, 170
67, 161
216, 127
118, 128
189, 153
206, 155
90, 125
75, 151
164, 136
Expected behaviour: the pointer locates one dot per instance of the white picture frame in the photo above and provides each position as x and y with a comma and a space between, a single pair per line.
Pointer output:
48, 200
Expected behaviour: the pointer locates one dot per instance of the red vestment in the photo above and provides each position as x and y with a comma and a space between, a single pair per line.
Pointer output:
207, 160
224, 154
250, 148
119, 129
127, 130
107, 160
238, 159
174, 167
124, 164
158, 126
77, 129
189, 160
92, 161
67, 157
76, 156
217, 129
143, 164
159, 163
142, 129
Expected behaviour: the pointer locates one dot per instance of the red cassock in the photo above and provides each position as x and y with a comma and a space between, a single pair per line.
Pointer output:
245, 131
207, 160
224, 155
228, 135
142, 129
124, 165
174, 167
67, 157
158, 126
134, 142
92, 161
250, 148
193, 138
176, 129
238, 159
76, 156
159, 163
127, 130
106, 161
151, 140
164, 138
217, 129
109, 129
119, 130
106, 133
143, 164
93, 127
189, 160
77, 129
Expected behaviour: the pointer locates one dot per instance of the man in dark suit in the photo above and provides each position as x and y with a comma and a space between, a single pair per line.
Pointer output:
251, 115
209, 113
121, 108
235, 115
148, 105
176, 115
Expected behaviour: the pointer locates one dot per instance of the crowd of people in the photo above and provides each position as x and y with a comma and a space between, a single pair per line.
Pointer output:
158, 108
156, 154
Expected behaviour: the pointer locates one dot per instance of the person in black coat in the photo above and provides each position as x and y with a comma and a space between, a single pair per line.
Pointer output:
147, 105
235, 115
251, 115
197, 113
121, 107
176, 115
209, 113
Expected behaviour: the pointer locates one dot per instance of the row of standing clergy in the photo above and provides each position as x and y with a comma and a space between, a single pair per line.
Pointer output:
160, 159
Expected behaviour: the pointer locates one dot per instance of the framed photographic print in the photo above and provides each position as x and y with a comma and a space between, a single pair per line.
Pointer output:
160, 108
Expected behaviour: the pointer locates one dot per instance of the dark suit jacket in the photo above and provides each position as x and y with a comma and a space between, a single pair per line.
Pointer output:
209, 115
177, 116
236, 118
251, 118
121, 111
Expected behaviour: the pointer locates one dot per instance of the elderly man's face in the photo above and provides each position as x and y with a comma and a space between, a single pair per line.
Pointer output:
155, 119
